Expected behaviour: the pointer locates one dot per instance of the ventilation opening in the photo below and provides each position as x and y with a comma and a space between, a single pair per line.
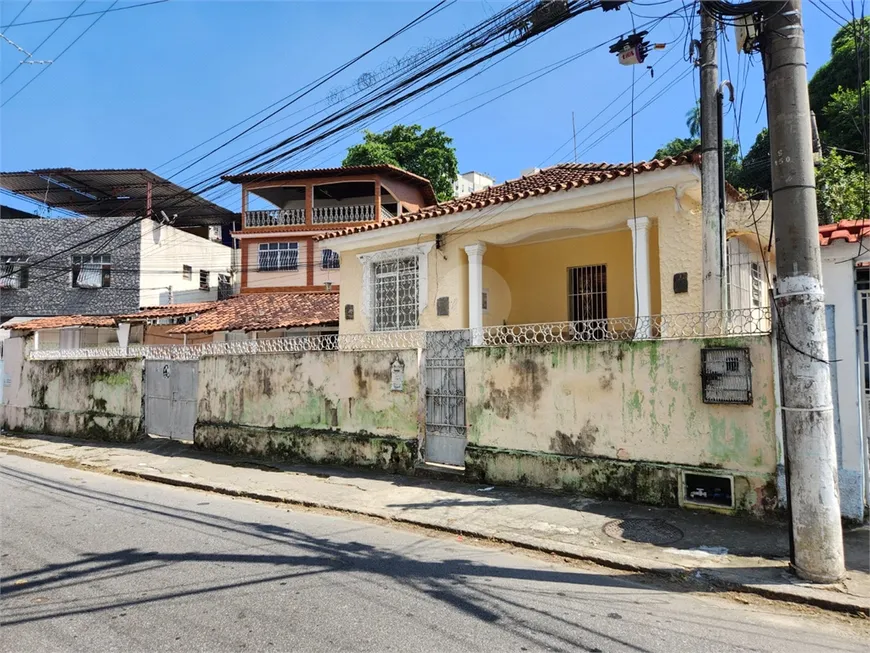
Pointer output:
708, 490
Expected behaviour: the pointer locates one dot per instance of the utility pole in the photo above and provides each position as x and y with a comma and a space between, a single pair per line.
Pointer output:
712, 245
806, 382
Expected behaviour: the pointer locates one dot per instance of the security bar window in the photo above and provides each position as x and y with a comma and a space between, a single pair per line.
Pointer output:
14, 272
396, 294
92, 271
587, 293
744, 276
186, 272
330, 260
726, 375
204, 281
278, 256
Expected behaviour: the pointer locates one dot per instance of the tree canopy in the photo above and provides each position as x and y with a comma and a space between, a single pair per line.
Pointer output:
428, 153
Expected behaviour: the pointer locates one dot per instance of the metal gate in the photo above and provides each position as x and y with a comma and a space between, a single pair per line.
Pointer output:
445, 396
170, 398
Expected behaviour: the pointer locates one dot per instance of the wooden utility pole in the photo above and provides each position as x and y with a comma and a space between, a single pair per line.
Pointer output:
712, 245
806, 382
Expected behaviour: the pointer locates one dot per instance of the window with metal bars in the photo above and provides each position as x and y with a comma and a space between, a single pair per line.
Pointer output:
14, 272
204, 281
92, 271
396, 294
278, 256
587, 293
330, 260
744, 277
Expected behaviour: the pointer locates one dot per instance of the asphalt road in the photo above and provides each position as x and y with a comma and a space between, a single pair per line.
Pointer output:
98, 563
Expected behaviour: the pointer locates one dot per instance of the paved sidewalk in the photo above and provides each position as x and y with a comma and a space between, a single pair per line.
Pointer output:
712, 550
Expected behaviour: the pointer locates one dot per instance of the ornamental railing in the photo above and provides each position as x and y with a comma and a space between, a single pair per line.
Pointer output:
739, 322
343, 213
275, 218
393, 340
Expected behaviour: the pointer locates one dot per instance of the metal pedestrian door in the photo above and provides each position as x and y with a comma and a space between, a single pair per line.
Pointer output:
444, 377
170, 398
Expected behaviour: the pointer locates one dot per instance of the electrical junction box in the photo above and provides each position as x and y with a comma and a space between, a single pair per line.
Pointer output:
745, 33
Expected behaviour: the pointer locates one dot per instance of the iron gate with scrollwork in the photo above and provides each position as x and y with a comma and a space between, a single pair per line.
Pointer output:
170, 398
444, 376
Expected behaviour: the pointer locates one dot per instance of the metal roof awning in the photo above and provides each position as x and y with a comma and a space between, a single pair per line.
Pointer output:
116, 193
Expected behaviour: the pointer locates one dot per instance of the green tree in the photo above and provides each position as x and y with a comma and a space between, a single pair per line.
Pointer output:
841, 189
681, 145
834, 95
428, 153
754, 174
693, 120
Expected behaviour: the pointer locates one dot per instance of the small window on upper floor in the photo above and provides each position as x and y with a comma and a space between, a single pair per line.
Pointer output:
277, 256
92, 271
186, 272
14, 272
204, 280
330, 260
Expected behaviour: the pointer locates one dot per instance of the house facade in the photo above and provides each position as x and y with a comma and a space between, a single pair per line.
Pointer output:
117, 269
573, 244
283, 212
471, 182
846, 277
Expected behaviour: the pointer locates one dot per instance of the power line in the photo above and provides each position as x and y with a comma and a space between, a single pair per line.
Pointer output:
63, 52
65, 18
17, 16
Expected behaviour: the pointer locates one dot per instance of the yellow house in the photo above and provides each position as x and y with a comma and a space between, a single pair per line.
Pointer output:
574, 243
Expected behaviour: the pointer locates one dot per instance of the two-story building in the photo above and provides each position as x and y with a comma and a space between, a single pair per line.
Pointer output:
289, 280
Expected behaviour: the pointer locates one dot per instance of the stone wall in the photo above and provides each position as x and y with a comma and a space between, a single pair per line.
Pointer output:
619, 419
94, 399
331, 407
53, 294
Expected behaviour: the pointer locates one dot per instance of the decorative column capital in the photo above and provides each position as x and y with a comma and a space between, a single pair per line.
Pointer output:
638, 224
475, 249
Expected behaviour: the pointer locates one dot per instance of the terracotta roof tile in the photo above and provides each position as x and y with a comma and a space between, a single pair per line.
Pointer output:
264, 311
60, 321
169, 310
849, 230
561, 177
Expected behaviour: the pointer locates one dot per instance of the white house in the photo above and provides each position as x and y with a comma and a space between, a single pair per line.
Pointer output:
846, 274
471, 182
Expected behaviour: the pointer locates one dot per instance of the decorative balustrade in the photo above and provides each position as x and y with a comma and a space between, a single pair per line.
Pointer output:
739, 322
343, 213
275, 218
715, 324
353, 342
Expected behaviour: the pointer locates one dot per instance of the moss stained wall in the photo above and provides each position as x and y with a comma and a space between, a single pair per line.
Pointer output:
638, 401
343, 391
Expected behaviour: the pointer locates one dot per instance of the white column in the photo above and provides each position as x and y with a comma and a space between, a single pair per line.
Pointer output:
475, 291
640, 249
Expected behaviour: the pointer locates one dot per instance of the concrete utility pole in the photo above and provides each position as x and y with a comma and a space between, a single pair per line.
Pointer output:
806, 381
712, 245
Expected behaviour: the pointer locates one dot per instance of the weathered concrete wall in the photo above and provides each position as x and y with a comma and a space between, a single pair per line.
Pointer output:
584, 416
335, 407
99, 399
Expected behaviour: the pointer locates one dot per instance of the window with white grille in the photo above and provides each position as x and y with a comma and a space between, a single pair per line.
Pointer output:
396, 294
587, 293
92, 271
278, 256
745, 277
330, 260
14, 272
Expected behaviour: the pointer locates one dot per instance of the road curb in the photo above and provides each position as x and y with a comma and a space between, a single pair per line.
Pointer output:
802, 595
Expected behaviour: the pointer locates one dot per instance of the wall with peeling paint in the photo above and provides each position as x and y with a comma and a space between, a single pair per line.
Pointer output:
98, 399
623, 401
348, 391
328, 407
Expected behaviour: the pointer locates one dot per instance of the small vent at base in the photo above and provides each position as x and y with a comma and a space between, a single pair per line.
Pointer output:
708, 489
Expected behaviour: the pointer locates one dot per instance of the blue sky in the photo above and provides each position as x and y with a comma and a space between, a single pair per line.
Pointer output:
146, 84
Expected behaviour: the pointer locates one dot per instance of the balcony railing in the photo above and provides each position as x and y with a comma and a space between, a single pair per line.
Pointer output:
275, 218
319, 215
343, 213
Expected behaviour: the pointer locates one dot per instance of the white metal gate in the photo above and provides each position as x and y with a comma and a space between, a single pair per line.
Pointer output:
445, 397
864, 361
170, 398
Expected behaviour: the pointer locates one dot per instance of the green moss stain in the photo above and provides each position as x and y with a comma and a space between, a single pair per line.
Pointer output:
635, 405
